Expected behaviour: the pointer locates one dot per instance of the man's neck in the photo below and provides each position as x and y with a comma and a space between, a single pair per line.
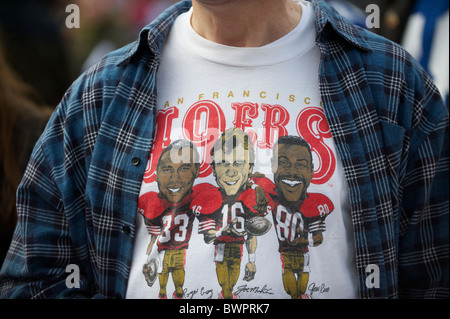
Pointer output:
244, 23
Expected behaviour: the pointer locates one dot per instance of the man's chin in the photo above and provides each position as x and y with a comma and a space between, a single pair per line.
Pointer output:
175, 198
290, 196
230, 190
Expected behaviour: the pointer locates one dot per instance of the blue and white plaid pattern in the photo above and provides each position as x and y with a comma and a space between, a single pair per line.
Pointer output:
78, 199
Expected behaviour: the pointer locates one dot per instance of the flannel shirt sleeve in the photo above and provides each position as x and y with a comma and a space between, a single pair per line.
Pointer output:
48, 195
424, 225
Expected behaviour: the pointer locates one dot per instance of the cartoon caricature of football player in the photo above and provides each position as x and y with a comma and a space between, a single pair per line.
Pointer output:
167, 214
299, 217
223, 211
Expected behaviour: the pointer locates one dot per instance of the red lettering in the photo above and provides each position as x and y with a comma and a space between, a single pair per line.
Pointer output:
274, 126
244, 112
313, 127
203, 123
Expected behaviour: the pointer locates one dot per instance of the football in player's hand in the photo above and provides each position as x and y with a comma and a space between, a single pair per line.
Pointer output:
150, 271
257, 226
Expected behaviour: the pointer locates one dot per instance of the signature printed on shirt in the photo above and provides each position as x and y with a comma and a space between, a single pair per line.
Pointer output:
314, 288
198, 293
256, 290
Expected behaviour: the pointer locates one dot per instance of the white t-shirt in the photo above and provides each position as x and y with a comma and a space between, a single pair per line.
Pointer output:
205, 88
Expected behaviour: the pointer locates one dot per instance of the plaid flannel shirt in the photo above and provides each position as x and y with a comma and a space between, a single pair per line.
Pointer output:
77, 201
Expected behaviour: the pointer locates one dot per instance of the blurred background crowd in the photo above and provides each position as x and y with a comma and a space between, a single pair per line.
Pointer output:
40, 57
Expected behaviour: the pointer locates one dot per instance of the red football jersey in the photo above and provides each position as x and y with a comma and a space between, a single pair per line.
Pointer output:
290, 223
171, 222
215, 210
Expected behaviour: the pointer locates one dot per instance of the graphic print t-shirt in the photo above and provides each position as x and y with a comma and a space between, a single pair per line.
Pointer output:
192, 240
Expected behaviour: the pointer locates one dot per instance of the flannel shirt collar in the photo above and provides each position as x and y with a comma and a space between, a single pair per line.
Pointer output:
326, 15
153, 35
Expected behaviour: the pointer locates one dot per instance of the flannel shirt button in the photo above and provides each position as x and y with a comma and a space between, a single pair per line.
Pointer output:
135, 161
126, 229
